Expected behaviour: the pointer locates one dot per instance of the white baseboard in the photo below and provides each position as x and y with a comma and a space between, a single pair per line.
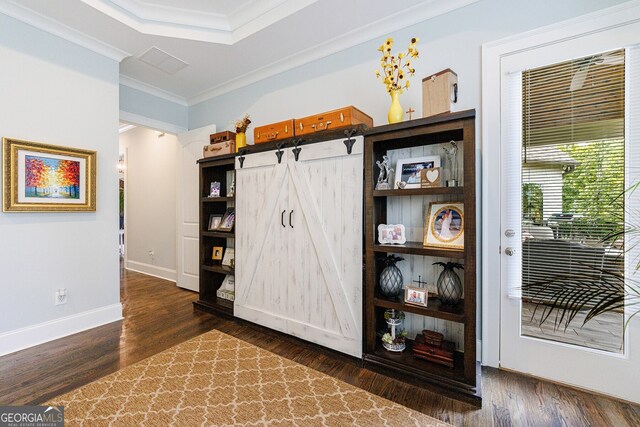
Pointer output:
152, 270
29, 336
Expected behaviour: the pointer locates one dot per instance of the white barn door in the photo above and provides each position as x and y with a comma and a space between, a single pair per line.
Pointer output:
299, 242
325, 275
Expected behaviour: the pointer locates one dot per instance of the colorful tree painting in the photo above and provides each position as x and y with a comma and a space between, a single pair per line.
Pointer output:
49, 177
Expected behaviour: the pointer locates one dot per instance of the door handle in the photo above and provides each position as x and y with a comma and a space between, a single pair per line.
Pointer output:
509, 251
282, 219
290, 215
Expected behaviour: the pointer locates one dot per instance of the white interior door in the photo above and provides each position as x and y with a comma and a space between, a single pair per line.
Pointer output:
261, 241
325, 241
187, 202
545, 353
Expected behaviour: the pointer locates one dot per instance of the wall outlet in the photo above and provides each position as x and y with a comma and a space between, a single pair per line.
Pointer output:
61, 296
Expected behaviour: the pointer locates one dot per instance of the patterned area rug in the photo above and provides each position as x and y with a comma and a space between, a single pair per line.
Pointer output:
218, 380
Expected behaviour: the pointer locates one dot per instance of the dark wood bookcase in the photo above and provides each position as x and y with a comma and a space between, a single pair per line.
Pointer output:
462, 381
212, 274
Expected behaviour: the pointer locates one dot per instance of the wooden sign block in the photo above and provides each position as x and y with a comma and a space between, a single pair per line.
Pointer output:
430, 177
439, 93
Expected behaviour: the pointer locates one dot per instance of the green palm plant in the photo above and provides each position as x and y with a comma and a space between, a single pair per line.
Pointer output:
596, 290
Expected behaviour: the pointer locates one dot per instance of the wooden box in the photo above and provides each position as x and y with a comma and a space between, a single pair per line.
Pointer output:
214, 138
439, 93
442, 354
347, 116
273, 131
219, 149
432, 338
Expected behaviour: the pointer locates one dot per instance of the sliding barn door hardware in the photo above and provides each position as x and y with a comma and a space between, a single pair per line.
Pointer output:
296, 150
349, 141
241, 157
279, 153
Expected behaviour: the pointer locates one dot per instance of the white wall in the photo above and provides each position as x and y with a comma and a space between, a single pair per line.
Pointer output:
58, 93
150, 201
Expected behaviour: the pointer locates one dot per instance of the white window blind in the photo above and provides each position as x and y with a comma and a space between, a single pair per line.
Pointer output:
573, 175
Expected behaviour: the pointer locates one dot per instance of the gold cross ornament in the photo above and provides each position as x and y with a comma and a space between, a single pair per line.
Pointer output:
410, 111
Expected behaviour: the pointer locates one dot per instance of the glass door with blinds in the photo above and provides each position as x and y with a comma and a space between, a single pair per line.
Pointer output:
570, 138
573, 208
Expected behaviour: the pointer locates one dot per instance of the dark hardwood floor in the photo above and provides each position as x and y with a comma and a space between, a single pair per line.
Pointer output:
159, 315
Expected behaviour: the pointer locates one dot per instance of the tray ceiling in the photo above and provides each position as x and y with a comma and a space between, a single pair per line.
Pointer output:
226, 44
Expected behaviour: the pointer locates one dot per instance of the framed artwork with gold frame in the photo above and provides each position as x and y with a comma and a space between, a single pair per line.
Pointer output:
444, 226
47, 178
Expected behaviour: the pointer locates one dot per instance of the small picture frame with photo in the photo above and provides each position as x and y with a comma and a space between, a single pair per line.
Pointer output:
409, 170
216, 253
391, 234
214, 189
229, 258
228, 220
214, 222
416, 296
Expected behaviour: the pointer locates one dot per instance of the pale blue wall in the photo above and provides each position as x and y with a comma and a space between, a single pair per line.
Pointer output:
152, 107
347, 78
56, 92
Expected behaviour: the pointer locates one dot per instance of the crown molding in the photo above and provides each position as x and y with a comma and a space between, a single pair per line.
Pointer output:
139, 120
152, 90
389, 24
50, 26
196, 25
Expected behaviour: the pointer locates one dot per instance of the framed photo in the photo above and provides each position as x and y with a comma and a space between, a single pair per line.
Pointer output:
47, 178
214, 190
444, 227
229, 257
216, 253
228, 220
389, 234
416, 296
408, 170
430, 178
214, 221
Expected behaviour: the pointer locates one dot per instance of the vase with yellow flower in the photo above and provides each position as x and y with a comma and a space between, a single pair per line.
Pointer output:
241, 129
396, 70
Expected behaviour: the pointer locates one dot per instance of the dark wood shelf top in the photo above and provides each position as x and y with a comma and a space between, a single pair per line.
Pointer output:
408, 124
221, 234
217, 199
226, 160
218, 269
433, 308
215, 305
416, 248
418, 191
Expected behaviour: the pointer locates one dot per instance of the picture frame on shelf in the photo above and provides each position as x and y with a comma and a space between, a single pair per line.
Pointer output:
416, 296
391, 234
214, 221
444, 227
47, 178
214, 189
216, 253
228, 220
229, 258
408, 170
431, 178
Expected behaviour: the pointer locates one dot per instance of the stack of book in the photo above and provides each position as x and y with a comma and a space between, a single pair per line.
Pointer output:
431, 346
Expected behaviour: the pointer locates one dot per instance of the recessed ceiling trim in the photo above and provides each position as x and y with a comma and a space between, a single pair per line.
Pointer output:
152, 90
137, 119
28, 16
198, 25
386, 25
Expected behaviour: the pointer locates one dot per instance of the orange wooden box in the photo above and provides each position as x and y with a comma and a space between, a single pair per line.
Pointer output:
273, 131
219, 149
347, 116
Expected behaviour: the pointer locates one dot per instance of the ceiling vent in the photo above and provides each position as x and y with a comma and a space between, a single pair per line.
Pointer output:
162, 60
